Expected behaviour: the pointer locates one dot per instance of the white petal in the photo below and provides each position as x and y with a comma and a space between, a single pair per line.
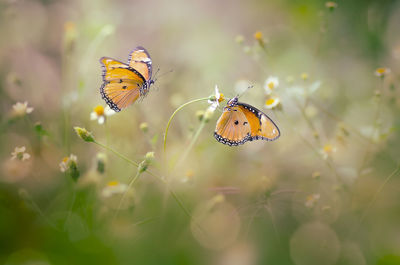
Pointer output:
101, 119
93, 116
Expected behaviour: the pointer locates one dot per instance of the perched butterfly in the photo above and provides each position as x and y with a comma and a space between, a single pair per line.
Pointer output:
241, 122
125, 83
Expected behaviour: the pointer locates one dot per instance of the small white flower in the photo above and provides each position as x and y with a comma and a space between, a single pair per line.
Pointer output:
271, 84
311, 200
19, 153
21, 109
272, 102
112, 188
66, 162
100, 113
327, 151
215, 99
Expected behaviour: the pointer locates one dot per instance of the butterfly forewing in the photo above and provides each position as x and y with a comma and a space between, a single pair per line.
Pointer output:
232, 127
139, 59
262, 127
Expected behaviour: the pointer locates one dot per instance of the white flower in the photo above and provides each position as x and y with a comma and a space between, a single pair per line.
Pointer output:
21, 109
382, 71
215, 99
100, 113
66, 162
112, 188
311, 200
272, 102
271, 84
327, 151
19, 153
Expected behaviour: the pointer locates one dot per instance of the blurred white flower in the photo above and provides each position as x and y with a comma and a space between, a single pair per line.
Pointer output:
112, 188
21, 109
311, 200
215, 99
271, 84
272, 103
382, 71
66, 162
100, 113
19, 153
327, 151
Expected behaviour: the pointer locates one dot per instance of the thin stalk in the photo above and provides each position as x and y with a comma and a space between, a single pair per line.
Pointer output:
173, 115
124, 195
194, 139
173, 194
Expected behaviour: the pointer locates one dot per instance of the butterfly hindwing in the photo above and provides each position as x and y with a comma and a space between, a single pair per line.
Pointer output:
233, 127
139, 59
241, 122
119, 95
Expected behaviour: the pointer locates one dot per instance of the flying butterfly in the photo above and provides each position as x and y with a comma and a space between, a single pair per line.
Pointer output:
125, 83
240, 123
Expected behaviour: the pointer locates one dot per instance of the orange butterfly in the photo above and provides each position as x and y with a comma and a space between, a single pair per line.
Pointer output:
125, 83
241, 122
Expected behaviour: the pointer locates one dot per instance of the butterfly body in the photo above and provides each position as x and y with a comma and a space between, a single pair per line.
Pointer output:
125, 83
240, 123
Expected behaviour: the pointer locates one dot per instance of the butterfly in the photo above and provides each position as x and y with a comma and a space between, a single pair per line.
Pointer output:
125, 83
240, 123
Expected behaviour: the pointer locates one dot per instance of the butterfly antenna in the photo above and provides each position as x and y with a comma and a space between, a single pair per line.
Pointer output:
241, 94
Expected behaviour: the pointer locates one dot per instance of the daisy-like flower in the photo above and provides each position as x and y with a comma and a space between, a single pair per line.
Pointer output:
272, 103
21, 109
215, 99
19, 153
271, 84
304, 76
328, 150
100, 113
113, 188
311, 200
382, 71
67, 162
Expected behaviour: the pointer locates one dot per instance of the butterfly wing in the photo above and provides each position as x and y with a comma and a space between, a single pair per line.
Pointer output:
122, 84
232, 128
139, 59
262, 127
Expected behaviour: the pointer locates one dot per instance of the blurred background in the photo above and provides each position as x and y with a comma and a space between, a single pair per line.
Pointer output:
326, 192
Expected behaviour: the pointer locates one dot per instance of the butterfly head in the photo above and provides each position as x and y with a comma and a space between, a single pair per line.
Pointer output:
232, 102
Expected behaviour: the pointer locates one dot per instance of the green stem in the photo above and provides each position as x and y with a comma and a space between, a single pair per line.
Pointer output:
117, 154
124, 195
173, 194
194, 139
173, 114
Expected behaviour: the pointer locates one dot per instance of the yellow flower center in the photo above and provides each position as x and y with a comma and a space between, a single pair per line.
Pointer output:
221, 97
113, 183
304, 76
269, 101
65, 159
328, 148
258, 35
381, 70
99, 110
271, 85
69, 26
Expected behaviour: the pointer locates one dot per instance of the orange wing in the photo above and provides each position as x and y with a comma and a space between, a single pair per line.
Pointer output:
232, 128
119, 95
139, 59
262, 127
122, 84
